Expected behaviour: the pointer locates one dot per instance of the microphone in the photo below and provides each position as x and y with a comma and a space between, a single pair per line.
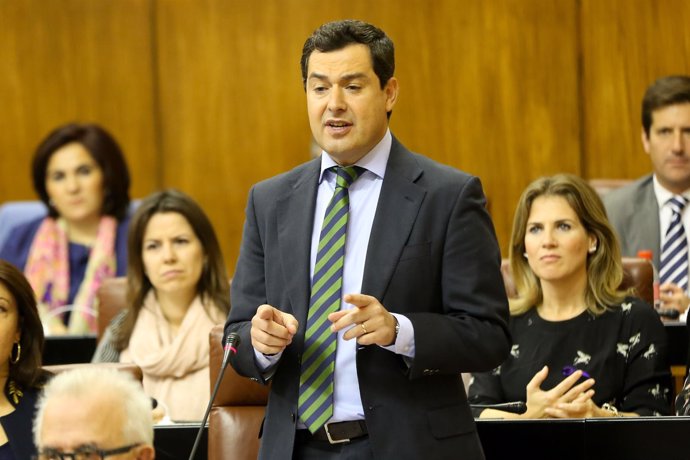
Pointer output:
232, 341
516, 407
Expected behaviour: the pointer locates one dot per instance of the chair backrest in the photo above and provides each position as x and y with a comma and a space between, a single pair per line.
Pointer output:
637, 273
13, 213
112, 299
237, 411
603, 186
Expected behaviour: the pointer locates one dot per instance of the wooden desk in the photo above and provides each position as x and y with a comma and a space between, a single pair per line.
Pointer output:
643, 438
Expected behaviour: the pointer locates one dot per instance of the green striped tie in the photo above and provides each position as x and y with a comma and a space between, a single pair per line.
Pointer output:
315, 404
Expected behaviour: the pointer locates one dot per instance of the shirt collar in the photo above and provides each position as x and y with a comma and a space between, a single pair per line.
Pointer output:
374, 161
663, 195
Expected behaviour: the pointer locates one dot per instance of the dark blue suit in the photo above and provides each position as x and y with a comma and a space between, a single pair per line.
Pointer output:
432, 257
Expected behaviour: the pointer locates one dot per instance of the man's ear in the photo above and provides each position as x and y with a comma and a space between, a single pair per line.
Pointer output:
391, 90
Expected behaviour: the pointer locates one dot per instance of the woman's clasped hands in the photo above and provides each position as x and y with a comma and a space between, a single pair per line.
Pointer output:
568, 399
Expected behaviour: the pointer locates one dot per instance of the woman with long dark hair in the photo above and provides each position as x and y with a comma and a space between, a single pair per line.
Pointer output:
178, 289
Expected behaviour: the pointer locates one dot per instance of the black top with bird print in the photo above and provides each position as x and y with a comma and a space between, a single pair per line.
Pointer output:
623, 349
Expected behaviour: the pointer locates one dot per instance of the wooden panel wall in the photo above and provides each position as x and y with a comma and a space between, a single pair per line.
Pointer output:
626, 45
75, 60
232, 106
491, 88
206, 95
474, 93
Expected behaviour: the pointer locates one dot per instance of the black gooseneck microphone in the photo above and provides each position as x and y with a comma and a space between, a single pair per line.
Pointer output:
232, 341
516, 407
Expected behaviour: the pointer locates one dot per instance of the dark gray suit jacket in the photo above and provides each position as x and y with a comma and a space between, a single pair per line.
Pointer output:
432, 257
634, 213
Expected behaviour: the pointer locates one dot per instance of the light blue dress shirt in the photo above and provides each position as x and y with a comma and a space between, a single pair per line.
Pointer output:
364, 196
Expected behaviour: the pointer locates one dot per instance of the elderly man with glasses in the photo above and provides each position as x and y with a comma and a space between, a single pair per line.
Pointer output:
89, 414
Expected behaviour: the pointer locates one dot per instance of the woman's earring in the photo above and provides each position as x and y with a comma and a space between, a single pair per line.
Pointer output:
524, 254
17, 355
592, 249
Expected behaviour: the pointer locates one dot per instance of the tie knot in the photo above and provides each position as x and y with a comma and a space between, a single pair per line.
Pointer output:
345, 176
678, 203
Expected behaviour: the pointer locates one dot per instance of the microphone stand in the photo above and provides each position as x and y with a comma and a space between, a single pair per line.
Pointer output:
516, 407
232, 341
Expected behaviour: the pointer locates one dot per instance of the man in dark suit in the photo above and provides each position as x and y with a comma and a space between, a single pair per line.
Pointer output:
641, 212
422, 294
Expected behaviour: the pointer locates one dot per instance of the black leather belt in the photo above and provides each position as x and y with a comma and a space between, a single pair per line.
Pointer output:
338, 432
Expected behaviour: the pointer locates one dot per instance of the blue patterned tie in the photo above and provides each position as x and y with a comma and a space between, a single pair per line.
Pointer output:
674, 253
315, 404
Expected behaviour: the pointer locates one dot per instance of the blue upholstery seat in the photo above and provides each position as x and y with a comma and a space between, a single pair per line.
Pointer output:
13, 213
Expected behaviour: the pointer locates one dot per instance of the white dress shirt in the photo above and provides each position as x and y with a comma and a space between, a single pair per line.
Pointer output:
665, 216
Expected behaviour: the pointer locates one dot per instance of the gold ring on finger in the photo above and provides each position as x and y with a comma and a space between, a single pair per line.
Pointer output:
363, 328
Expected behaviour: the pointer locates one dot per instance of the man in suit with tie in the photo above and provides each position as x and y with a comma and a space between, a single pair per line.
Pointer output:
651, 213
368, 279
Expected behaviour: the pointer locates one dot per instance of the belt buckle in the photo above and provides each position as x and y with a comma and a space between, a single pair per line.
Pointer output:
330, 439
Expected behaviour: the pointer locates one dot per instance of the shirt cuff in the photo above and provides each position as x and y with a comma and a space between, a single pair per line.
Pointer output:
266, 363
404, 343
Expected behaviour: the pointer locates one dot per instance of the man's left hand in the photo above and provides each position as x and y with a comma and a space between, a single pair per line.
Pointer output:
370, 323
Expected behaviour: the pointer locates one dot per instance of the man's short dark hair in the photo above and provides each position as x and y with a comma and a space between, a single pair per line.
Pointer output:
665, 91
339, 34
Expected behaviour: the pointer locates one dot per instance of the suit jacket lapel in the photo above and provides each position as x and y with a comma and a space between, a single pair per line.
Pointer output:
295, 218
646, 222
396, 212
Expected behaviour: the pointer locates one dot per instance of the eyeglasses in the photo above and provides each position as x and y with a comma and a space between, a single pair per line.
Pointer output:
87, 452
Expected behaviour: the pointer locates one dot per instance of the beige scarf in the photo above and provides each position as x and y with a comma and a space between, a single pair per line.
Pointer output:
175, 366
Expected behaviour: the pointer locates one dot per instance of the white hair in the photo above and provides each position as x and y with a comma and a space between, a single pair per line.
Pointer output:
91, 382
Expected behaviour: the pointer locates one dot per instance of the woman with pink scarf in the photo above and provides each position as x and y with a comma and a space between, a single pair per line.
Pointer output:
178, 290
80, 174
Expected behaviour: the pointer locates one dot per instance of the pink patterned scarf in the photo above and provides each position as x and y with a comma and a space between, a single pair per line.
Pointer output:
47, 269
